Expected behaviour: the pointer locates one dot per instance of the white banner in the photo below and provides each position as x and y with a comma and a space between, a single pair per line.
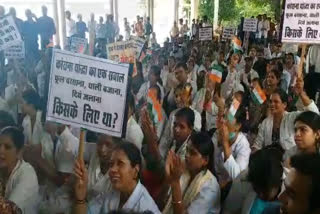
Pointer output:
15, 52
9, 33
206, 33
88, 92
250, 25
301, 22
78, 45
228, 33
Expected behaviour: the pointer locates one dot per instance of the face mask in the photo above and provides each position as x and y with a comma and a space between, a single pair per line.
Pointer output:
232, 135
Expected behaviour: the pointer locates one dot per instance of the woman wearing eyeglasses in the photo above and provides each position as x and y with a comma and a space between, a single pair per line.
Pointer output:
18, 178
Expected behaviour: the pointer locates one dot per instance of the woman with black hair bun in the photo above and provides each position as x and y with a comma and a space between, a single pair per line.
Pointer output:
306, 136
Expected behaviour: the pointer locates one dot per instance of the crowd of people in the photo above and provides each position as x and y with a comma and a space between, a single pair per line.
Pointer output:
233, 132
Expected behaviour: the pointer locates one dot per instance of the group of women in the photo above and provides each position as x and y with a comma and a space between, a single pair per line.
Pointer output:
197, 142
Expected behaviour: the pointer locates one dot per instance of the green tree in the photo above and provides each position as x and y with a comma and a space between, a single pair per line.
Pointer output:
230, 11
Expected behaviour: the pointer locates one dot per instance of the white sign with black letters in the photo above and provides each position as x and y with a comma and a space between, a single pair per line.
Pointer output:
250, 25
9, 33
301, 22
205, 33
15, 52
88, 92
228, 33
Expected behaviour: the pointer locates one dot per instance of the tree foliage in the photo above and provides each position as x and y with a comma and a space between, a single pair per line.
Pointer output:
230, 11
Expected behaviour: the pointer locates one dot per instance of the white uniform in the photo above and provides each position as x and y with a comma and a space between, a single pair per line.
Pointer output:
264, 137
33, 135
22, 187
139, 201
238, 160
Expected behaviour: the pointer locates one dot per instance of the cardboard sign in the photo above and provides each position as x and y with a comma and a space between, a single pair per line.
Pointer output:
78, 45
206, 33
250, 25
124, 52
138, 45
301, 22
15, 52
9, 33
228, 33
88, 92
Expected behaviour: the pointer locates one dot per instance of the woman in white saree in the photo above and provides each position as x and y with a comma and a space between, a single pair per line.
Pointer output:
17, 177
127, 192
194, 190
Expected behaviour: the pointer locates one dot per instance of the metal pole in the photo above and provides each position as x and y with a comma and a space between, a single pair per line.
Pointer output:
56, 21
63, 34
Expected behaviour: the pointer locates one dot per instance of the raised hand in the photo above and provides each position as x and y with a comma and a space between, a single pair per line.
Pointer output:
81, 174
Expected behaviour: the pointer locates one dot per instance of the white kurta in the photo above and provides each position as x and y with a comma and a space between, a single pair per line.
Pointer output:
98, 183
134, 133
33, 136
139, 201
22, 187
264, 137
238, 160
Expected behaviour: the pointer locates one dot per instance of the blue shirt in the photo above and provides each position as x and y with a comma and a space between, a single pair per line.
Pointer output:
81, 29
46, 27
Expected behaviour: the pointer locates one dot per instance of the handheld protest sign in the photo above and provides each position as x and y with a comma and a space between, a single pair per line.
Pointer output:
88, 92
9, 33
301, 22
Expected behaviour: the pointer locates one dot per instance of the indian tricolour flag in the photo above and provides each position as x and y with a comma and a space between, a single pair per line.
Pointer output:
154, 107
216, 73
233, 109
259, 96
236, 44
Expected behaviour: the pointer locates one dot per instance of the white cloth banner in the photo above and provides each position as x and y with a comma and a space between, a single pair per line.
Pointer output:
15, 52
228, 33
9, 33
205, 33
301, 22
250, 25
88, 92
78, 45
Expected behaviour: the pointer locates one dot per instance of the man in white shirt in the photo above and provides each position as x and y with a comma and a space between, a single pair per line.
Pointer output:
71, 29
265, 29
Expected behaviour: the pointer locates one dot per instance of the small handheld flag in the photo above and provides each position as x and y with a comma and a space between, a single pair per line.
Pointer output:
216, 73
154, 106
259, 96
233, 109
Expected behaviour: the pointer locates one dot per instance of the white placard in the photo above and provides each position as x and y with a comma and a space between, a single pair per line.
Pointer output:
301, 22
250, 25
205, 33
78, 45
9, 33
88, 92
228, 33
139, 44
15, 52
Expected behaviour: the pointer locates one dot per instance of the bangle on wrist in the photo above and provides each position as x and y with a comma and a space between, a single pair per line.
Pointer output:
176, 202
84, 201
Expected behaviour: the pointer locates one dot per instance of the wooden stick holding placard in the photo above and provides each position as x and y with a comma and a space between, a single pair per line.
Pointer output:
303, 53
81, 145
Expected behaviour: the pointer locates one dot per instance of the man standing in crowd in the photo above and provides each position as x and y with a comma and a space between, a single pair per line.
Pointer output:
127, 29
101, 33
46, 28
139, 27
81, 27
194, 29
70, 25
265, 29
30, 31
148, 28
110, 29
92, 24
19, 22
